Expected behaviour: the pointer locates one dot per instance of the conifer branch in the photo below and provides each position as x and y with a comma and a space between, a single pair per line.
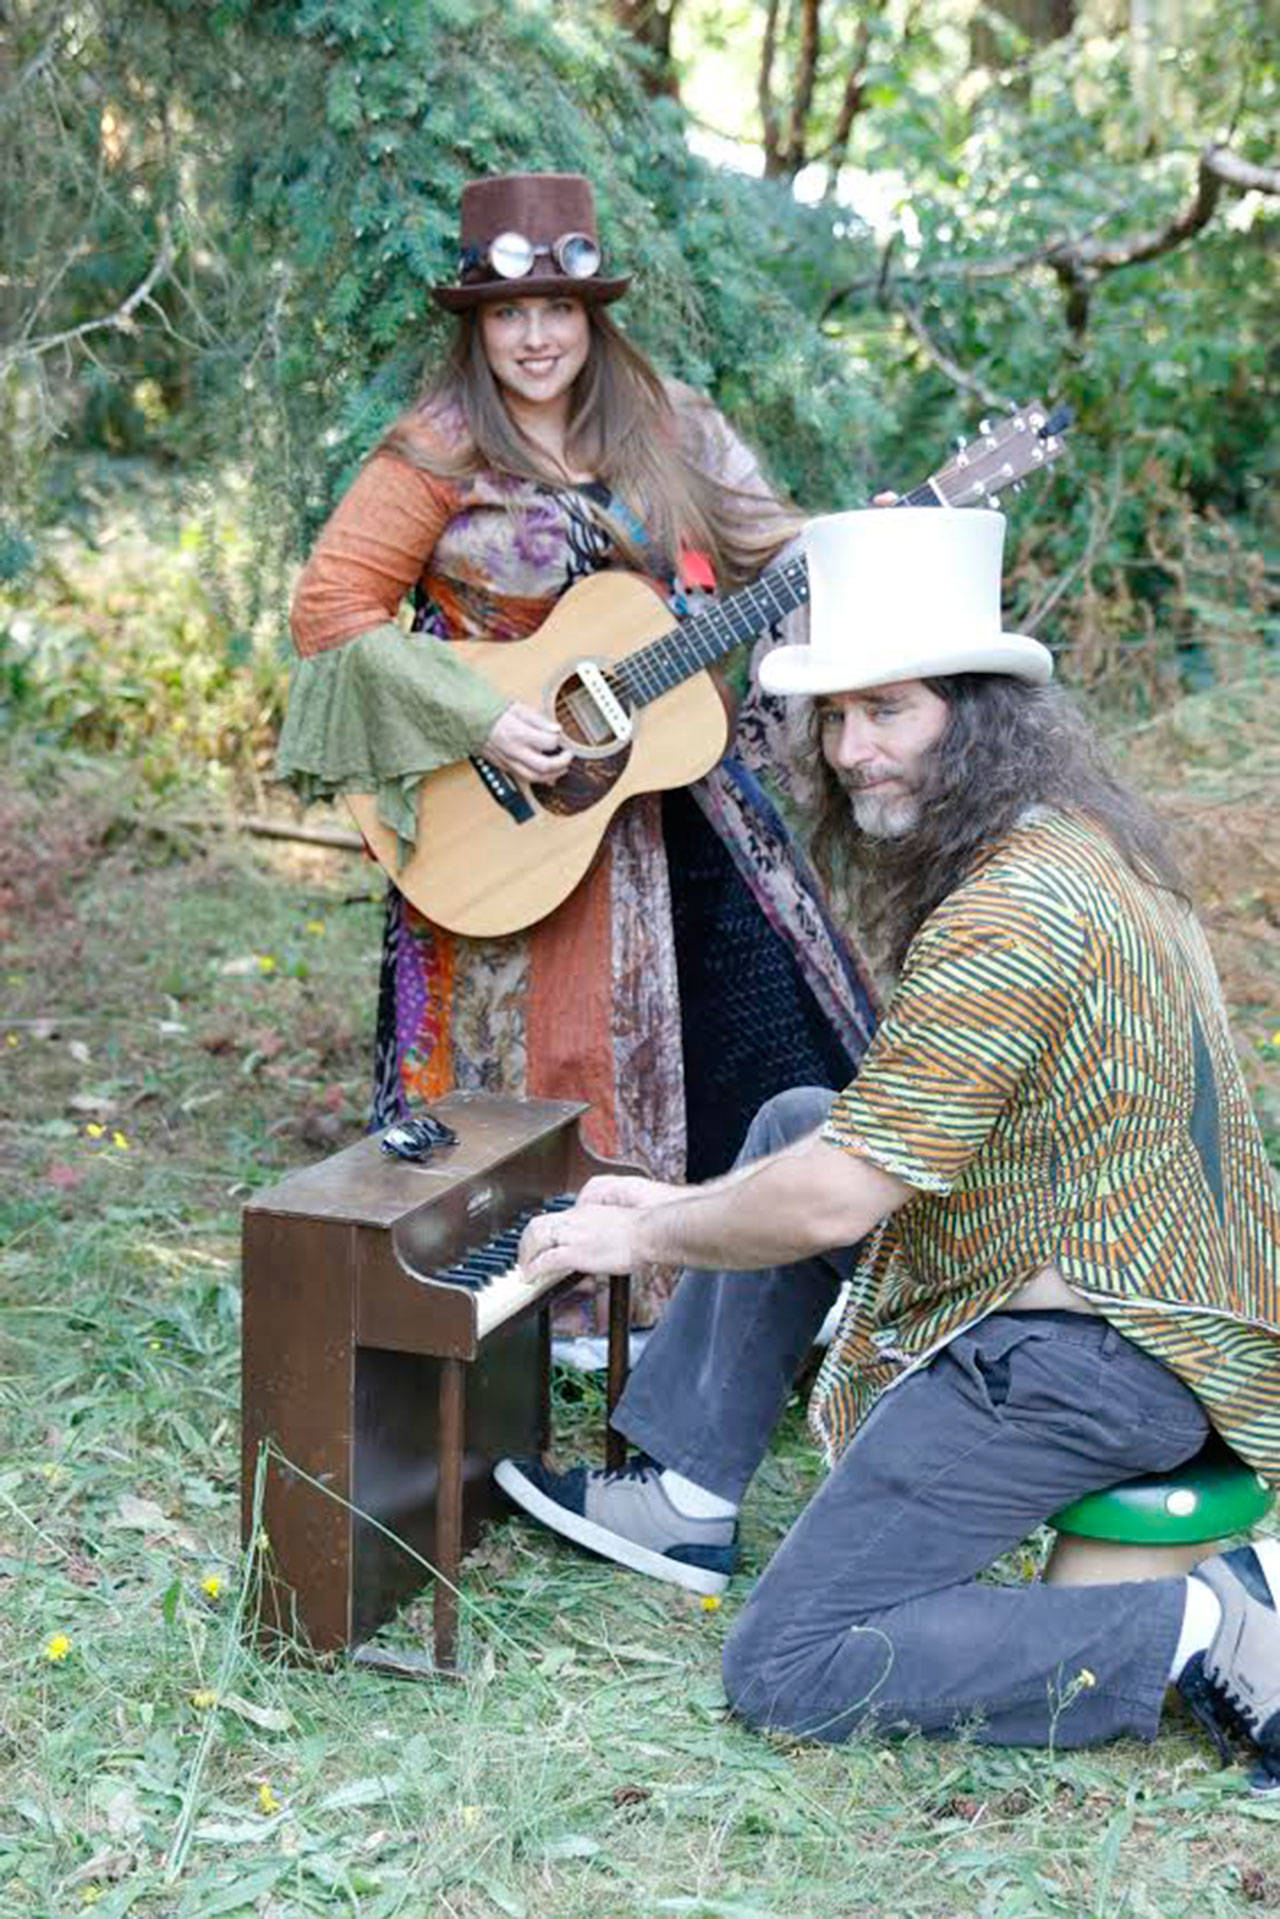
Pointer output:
121, 320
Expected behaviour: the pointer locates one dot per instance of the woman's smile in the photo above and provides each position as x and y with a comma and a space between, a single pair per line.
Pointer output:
536, 348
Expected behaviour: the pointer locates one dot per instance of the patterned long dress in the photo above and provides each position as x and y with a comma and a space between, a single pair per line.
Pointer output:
694, 971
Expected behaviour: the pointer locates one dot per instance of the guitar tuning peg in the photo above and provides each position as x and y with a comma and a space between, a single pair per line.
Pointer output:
984, 427
959, 443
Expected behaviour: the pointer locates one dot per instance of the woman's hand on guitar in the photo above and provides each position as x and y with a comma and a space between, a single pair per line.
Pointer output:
524, 741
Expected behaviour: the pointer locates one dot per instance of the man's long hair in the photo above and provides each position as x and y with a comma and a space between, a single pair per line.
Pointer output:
648, 439
1006, 747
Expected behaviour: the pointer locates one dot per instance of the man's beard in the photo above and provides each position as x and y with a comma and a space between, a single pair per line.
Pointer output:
882, 816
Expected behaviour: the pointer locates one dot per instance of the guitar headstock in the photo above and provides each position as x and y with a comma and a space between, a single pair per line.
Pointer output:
1003, 453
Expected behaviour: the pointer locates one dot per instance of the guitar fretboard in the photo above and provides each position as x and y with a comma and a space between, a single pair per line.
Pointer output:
704, 638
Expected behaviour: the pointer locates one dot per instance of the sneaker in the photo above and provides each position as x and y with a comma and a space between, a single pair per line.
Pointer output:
1233, 1689
626, 1516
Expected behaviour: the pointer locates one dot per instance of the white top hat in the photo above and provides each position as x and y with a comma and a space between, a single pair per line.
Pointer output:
903, 593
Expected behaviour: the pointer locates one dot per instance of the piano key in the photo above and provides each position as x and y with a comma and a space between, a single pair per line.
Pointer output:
458, 1276
491, 1273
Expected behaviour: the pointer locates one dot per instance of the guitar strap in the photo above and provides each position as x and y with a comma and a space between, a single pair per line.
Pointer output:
693, 572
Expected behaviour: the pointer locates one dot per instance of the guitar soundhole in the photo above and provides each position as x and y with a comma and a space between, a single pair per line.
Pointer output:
579, 716
584, 785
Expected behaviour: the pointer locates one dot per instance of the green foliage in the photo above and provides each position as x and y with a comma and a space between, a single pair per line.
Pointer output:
144, 637
313, 196
303, 160
360, 195
969, 175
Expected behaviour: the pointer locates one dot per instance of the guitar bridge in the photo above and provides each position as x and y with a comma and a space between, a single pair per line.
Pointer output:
502, 788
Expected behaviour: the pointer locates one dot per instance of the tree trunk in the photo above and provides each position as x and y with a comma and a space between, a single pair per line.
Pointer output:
1040, 20
650, 23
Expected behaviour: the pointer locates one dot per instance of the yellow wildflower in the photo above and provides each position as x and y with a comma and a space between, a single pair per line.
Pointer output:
203, 1699
1086, 1677
315, 926
56, 1648
266, 964
262, 1544
267, 1801
470, 1815
94, 1130
711, 1602
211, 1587
11, 1039
118, 1139
91, 1895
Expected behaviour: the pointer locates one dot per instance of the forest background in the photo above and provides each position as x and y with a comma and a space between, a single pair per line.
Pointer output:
861, 225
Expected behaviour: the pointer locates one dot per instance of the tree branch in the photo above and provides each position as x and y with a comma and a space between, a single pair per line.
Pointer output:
1080, 263
852, 101
121, 320
1241, 173
966, 382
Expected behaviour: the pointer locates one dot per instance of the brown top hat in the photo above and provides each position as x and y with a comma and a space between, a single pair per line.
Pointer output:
554, 215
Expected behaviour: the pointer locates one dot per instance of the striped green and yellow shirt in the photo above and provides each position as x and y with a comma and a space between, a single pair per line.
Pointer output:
1056, 1077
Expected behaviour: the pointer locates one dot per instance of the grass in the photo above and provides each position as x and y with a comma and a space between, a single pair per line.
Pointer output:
187, 1015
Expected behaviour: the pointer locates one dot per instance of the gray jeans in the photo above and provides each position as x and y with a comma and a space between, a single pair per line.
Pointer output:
871, 1613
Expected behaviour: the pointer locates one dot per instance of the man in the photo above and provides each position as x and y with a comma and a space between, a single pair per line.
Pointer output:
1049, 1172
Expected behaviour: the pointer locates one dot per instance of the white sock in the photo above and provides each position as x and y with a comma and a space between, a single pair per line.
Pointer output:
1200, 1622
695, 1502
1268, 1551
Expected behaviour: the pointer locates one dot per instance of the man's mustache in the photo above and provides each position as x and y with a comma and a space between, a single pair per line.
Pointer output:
860, 782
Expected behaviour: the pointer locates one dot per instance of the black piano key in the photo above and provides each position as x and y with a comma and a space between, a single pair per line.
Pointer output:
483, 1264
461, 1275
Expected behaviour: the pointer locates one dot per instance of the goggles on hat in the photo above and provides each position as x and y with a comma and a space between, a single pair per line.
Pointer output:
512, 257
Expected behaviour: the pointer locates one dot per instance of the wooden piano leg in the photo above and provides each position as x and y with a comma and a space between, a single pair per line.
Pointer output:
450, 1441
615, 1446
544, 1380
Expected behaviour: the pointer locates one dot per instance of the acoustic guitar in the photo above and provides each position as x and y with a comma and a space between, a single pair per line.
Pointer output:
629, 687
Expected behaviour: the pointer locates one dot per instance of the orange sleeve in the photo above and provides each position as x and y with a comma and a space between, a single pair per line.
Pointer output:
371, 551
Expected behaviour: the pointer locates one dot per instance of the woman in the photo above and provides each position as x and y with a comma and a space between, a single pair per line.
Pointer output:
693, 972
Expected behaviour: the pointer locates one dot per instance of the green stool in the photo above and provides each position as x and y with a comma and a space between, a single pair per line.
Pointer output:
1157, 1527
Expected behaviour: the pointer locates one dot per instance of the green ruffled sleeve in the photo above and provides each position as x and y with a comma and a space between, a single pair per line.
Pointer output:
376, 714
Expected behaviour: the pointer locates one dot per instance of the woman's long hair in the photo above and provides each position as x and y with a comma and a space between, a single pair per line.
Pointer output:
649, 441
1006, 747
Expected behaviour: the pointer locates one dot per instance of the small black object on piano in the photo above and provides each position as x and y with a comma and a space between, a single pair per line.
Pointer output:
417, 1139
